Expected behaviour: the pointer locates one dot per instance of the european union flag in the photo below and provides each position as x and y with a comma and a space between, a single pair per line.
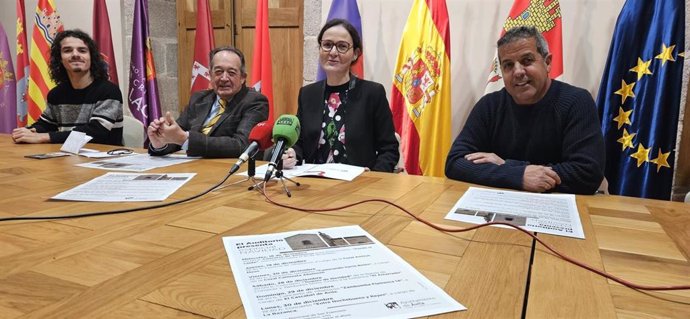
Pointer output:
639, 97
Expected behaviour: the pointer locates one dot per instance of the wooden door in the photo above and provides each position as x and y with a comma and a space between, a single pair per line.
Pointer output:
222, 14
234, 24
287, 41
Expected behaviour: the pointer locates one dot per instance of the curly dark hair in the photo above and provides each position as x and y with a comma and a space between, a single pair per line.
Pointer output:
58, 72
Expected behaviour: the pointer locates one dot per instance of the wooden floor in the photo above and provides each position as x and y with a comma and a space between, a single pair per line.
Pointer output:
170, 262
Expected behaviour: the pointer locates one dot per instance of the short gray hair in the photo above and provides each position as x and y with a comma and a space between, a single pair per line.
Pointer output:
525, 32
243, 67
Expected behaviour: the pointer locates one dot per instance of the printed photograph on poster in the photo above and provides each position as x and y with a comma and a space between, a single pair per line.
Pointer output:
554, 214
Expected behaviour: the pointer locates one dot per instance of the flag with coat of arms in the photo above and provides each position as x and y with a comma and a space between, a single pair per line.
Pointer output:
420, 100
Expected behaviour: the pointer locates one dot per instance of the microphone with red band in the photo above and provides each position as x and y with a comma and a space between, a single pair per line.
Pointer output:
260, 138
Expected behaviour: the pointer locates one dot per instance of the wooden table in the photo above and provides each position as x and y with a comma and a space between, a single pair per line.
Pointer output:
171, 262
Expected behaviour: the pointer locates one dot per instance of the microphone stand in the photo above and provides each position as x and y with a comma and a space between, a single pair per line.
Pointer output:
280, 176
251, 171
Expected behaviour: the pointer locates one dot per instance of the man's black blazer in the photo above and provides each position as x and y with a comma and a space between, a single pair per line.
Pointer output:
229, 136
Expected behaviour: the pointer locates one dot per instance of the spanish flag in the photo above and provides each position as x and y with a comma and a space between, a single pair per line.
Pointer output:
46, 26
420, 99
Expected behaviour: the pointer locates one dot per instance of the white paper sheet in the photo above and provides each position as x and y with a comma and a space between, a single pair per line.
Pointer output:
333, 170
75, 141
138, 163
554, 214
127, 187
340, 272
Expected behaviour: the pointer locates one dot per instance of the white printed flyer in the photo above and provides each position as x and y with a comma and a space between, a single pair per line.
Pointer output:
340, 272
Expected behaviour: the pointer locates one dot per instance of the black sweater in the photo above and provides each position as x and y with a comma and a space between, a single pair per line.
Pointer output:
561, 131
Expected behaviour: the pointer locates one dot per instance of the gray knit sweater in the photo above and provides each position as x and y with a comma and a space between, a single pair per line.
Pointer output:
95, 110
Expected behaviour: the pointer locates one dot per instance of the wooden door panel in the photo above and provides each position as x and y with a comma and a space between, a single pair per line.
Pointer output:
222, 23
287, 40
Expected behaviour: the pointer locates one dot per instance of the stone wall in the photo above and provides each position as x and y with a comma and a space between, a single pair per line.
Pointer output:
163, 33
312, 26
681, 178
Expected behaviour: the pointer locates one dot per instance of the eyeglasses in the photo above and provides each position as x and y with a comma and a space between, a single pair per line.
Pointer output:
120, 151
340, 46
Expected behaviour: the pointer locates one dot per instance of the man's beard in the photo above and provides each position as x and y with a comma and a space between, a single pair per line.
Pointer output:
79, 69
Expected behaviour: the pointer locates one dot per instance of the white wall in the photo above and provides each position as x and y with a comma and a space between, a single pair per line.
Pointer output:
74, 14
475, 27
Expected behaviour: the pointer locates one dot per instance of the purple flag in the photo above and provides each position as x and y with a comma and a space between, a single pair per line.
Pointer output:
347, 10
8, 87
143, 92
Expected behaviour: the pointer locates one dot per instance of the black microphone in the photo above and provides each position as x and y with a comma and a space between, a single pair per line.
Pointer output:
260, 138
285, 134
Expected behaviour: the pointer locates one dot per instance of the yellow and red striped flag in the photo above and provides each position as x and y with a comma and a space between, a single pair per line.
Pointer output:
420, 99
22, 66
46, 26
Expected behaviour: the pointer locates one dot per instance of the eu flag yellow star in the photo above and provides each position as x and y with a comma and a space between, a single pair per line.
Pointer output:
626, 140
641, 155
642, 68
622, 118
661, 160
666, 54
682, 54
625, 91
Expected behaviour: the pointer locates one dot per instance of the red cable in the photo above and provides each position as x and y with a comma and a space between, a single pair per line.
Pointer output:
459, 230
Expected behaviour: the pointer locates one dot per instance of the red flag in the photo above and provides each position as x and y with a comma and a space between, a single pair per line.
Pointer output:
101, 34
262, 72
203, 43
22, 66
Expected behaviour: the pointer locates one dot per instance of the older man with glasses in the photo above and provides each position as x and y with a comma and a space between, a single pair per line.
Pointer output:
217, 122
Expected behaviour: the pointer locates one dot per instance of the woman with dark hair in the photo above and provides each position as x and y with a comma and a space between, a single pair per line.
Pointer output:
344, 119
83, 100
